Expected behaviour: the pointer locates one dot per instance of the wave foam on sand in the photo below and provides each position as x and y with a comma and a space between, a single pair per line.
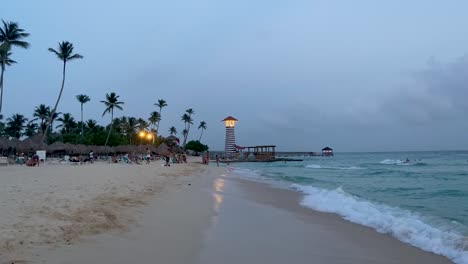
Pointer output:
401, 224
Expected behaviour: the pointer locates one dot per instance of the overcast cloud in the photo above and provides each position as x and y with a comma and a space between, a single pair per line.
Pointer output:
354, 75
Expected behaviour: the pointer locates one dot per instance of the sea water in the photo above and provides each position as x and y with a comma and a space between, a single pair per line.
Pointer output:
423, 202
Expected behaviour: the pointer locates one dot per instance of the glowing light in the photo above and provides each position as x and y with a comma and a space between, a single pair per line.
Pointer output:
230, 123
142, 134
149, 136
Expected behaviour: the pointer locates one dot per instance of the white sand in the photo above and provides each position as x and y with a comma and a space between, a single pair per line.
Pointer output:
55, 205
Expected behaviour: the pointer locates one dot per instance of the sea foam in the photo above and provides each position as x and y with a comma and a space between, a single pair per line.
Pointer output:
391, 162
399, 223
316, 166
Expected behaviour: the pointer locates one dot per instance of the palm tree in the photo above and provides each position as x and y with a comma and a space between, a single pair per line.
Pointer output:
129, 128
64, 53
15, 125
187, 118
31, 129
111, 102
154, 119
172, 130
161, 104
82, 99
41, 112
5, 60
68, 123
187, 121
91, 124
185, 133
10, 35
2, 126
53, 117
202, 126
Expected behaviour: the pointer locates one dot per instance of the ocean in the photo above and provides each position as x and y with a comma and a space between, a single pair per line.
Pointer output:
423, 202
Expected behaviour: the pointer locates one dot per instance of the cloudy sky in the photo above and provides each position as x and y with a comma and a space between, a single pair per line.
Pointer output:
359, 75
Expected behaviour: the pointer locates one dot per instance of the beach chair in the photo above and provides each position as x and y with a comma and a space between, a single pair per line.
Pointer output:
3, 161
126, 160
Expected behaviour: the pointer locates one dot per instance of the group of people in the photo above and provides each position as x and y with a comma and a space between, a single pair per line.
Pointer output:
206, 159
179, 158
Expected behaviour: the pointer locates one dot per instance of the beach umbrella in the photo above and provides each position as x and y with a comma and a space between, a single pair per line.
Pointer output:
163, 150
56, 147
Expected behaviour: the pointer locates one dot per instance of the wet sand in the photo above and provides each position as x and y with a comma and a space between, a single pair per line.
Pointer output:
214, 217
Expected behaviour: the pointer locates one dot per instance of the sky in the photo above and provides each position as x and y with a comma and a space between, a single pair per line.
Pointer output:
359, 75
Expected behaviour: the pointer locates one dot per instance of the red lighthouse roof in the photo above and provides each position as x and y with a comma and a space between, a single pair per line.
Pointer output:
229, 118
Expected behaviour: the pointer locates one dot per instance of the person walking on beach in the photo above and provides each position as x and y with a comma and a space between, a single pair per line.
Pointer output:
148, 156
91, 156
217, 160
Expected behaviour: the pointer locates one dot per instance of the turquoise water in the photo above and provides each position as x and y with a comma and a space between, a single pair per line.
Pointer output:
423, 202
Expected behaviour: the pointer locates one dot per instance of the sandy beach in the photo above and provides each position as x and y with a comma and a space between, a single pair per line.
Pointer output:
186, 213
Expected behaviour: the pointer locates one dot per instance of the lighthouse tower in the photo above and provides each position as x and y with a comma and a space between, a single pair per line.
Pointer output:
230, 143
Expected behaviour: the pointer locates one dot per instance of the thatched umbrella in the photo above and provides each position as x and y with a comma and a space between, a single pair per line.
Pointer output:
80, 149
163, 150
56, 147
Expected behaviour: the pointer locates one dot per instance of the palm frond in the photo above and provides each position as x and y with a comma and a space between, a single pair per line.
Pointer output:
75, 56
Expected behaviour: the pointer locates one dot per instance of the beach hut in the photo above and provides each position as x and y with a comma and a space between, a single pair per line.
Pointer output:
327, 151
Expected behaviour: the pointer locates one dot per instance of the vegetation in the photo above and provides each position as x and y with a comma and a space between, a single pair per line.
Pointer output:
82, 99
64, 53
11, 35
111, 102
202, 126
120, 131
196, 146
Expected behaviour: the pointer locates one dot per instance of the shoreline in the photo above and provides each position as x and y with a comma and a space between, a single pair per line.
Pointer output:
203, 214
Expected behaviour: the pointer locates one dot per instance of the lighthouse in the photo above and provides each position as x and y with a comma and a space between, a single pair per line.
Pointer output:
230, 143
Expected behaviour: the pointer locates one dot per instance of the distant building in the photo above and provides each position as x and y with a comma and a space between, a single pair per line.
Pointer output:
230, 143
327, 151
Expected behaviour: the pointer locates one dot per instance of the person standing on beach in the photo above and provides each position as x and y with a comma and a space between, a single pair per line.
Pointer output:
207, 158
91, 156
217, 160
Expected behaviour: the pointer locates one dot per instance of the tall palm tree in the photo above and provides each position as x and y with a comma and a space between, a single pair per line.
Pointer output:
111, 102
5, 60
41, 112
185, 133
202, 126
187, 121
64, 53
82, 99
161, 104
11, 35
172, 130
15, 125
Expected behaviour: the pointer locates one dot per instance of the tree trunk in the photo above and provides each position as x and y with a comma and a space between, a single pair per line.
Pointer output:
49, 122
110, 128
186, 136
82, 125
1, 87
157, 126
201, 134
